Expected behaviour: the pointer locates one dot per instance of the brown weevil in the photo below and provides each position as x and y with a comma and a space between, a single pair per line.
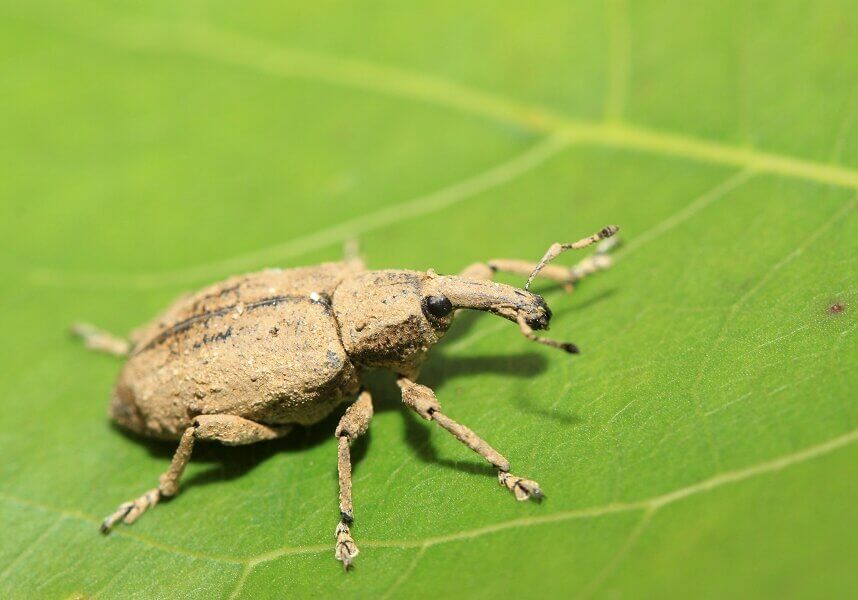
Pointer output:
247, 359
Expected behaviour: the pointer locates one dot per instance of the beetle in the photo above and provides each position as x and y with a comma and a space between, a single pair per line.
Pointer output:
249, 358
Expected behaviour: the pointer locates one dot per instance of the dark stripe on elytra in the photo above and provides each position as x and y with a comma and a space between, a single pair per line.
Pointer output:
185, 325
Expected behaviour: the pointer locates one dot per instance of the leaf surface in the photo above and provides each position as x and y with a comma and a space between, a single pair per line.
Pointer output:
702, 445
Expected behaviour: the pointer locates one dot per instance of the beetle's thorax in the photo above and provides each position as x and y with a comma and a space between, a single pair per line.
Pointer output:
383, 322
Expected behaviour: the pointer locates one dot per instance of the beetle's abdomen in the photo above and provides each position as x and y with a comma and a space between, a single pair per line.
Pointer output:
273, 357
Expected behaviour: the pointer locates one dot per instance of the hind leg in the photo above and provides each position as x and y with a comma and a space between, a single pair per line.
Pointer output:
226, 429
101, 341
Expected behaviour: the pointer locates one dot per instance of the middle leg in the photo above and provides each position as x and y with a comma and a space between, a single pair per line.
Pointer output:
421, 400
354, 423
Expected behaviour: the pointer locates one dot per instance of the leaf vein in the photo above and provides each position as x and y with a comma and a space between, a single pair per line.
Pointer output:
611, 567
737, 306
618, 59
31, 546
652, 503
233, 48
406, 573
443, 198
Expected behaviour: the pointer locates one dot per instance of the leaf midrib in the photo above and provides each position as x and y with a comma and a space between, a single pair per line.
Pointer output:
229, 47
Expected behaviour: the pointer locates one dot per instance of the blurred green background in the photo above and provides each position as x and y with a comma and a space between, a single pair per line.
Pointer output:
702, 445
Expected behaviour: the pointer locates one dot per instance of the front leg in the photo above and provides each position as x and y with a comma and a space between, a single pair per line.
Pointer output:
566, 276
421, 400
354, 423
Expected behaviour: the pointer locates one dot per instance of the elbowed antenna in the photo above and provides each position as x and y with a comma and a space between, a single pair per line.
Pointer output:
557, 249
527, 332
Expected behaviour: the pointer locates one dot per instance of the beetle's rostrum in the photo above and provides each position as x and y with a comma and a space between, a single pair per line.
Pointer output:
247, 359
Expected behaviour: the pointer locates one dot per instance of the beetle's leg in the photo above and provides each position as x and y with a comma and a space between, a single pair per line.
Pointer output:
556, 249
129, 512
354, 423
352, 256
566, 276
422, 400
227, 429
100, 340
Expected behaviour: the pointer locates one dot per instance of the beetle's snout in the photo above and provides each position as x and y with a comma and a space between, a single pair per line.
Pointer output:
519, 306
504, 300
539, 315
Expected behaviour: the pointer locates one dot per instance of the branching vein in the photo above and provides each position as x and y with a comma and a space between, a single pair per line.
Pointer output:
619, 61
243, 51
648, 504
416, 207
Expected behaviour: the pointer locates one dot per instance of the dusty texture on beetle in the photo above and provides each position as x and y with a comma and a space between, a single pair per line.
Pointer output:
263, 346
244, 360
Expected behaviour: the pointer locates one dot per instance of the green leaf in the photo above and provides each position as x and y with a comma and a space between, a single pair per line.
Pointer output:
702, 445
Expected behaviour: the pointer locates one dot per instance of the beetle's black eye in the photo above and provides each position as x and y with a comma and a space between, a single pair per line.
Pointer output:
438, 306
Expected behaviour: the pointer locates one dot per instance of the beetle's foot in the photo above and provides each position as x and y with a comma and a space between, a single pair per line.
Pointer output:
346, 550
522, 488
128, 512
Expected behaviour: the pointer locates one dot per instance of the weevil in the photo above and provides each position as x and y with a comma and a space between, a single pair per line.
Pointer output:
250, 358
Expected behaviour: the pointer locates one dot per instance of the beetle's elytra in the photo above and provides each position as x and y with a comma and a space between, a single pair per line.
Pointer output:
246, 359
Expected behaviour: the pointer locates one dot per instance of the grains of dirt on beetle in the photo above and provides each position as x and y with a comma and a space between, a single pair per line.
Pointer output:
202, 371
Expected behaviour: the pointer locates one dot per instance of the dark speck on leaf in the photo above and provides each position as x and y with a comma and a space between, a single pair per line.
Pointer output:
836, 308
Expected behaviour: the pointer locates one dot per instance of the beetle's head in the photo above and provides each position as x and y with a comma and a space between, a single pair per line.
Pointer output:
390, 319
